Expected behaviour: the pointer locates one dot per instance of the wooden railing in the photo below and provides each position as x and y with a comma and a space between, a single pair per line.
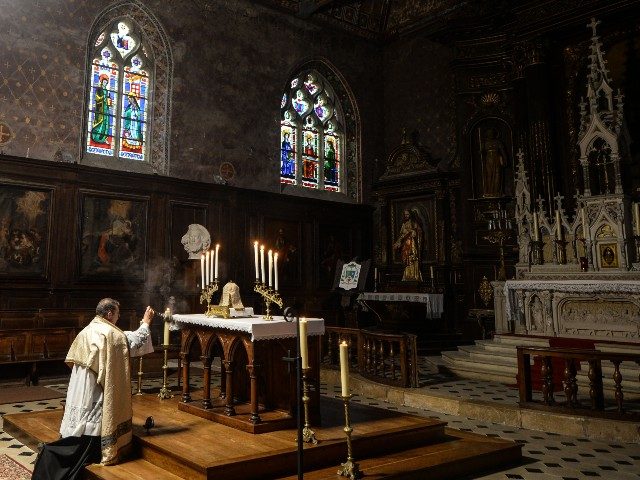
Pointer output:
571, 359
389, 358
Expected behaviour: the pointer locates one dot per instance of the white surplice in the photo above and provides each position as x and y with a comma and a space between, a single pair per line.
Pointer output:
83, 407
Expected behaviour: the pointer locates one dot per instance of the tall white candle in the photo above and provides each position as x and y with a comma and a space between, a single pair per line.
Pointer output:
375, 274
585, 227
211, 267
165, 337
202, 271
636, 211
208, 264
344, 369
216, 265
431, 271
262, 278
275, 271
270, 266
559, 232
255, 251
304, 351
536, 227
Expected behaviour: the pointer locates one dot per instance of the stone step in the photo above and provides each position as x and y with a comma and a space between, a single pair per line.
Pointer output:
516, 340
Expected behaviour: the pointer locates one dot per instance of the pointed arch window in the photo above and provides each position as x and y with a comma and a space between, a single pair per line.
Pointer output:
311, 134
119, 94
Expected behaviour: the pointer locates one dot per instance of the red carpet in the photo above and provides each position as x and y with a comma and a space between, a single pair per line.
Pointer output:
12, 470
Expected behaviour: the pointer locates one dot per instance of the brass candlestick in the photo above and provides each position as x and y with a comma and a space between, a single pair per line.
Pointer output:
270, 296
349, 468
139, 392
308, 435
207, 295
164, 391
498, 236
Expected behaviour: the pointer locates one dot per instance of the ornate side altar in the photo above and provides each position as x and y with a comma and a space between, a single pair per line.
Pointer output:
258, 387
579, 276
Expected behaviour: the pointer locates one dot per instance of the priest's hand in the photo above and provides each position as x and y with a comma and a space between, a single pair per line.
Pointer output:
148, 316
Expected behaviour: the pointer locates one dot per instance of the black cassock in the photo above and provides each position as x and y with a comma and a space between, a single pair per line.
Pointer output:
64, 458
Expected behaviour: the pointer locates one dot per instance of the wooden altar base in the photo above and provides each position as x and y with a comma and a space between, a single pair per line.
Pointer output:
271, 420
386, 444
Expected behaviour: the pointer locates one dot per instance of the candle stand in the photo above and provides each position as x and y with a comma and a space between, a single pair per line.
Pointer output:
584, 261
139, 391
536, 252
499, 236
207, 295
270, 296
308, 435
164, 391
349, 468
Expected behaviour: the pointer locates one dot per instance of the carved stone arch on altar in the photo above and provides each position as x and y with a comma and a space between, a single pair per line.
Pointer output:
490, 143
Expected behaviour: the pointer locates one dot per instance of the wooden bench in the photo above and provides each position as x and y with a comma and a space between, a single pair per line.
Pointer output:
44, 336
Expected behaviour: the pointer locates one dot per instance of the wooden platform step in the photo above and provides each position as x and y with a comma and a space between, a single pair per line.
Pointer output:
186, 446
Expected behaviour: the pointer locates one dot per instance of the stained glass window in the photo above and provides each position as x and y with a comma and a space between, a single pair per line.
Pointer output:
117, 124
311, 135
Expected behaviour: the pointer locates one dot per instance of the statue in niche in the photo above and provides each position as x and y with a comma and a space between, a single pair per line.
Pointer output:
409, 245
537, 315
494, 160
196, 240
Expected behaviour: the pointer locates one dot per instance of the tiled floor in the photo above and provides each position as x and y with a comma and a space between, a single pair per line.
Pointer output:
546, 455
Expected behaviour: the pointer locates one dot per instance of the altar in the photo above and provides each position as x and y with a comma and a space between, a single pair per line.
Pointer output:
258, 386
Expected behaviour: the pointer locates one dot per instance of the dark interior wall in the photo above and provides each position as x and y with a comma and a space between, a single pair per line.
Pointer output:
419, 95
231, 63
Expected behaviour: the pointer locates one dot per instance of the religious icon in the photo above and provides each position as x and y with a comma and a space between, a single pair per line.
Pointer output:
409, 245
100, 131
196, 241
608, 255
494, 160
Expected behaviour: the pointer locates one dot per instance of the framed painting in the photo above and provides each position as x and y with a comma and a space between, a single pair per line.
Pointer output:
25, 226
113, 234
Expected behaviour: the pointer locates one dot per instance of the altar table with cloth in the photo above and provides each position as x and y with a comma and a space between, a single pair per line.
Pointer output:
260, 347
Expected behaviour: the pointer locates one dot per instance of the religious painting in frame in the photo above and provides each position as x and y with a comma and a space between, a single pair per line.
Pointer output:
285, 237
25, 225
113, 232
608, 255
419, 213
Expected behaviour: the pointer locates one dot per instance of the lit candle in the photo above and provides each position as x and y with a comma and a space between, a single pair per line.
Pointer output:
558, 226
216, 265
166, 328
211, 269
275, 271
270, 266
208, 265
262, 278
536, 227
202, 270
304, 353
255, 251
636, 211
344, 369
585, 227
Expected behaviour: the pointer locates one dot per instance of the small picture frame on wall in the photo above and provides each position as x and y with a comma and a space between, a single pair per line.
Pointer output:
25, 226
113, 233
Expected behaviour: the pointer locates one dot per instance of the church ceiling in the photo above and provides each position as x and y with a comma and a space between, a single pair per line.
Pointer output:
380, 19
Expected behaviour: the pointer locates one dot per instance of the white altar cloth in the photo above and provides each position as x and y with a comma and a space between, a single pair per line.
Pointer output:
259, 328
433, 301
